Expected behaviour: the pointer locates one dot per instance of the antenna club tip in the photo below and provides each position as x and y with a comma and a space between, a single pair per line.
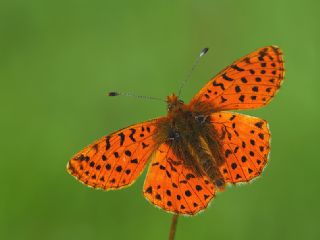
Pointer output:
204, 51
113, 94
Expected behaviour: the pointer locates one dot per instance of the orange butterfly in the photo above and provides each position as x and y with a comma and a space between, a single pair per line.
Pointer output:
197, 148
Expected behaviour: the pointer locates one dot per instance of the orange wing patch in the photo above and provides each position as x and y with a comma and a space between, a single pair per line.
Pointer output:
174, 187
244, 145
116, 160
250, 82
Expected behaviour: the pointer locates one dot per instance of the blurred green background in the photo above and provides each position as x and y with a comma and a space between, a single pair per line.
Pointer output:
58, 59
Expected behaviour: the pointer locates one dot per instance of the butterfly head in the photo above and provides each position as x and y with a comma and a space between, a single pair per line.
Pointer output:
174, 103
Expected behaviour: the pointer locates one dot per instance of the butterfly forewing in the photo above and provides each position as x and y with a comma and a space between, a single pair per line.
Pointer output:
175, 187
250, 82
116, 160
244, 145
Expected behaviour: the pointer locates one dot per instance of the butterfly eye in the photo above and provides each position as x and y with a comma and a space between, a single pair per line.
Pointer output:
201, 118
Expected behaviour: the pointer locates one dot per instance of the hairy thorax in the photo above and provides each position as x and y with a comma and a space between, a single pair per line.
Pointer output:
191, 136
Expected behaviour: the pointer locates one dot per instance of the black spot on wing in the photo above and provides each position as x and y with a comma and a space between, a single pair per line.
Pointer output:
225, 77
108, 143
122, 137
131, 136
214, 83
259, 124
237, 68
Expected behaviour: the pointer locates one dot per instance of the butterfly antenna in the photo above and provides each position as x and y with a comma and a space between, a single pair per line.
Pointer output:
195, 63
114, 94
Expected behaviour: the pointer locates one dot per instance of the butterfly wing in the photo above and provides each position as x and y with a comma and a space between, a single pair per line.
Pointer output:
173, 186
250, 82
244, 145
116, 160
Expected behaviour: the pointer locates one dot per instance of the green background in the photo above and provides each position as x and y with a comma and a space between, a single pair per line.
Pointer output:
58, 59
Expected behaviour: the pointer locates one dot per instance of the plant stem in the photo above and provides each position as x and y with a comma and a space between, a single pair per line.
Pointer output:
173, 226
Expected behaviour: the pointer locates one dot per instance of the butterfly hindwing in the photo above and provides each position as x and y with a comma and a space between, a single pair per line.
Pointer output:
250, 82
116, 160
244, 145
175, 187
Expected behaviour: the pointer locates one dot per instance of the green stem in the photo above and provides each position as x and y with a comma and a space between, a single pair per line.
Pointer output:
173, 226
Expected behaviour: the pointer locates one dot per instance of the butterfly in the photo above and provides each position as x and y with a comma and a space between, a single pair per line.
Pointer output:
198, 148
